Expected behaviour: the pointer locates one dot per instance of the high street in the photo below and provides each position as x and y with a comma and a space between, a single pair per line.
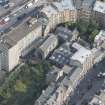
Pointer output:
18, 14
12, 5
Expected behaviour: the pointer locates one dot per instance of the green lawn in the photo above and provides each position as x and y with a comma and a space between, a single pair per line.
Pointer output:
25, 85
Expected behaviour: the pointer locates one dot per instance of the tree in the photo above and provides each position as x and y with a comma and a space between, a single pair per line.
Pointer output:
93, 34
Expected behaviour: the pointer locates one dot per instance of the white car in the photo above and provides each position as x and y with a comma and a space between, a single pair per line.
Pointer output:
101, 75
6, 19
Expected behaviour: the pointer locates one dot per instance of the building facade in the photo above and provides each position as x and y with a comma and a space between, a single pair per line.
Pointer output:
85, 9
18, 43
99, 12
60, 12
82, 56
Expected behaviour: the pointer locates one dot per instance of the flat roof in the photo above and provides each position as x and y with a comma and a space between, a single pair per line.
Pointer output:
49, 10
62, 55
81, 54
101, 35
88, 4
55, 7
99, 6
63, 32
19, 32
64, 5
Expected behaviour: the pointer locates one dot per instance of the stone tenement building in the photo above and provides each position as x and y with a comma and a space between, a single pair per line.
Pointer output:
18, 40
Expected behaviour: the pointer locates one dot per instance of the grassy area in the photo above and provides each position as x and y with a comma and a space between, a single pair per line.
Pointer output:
25, 85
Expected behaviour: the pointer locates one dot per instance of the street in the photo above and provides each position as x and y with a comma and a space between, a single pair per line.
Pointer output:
18, 14
89, 86
12, 5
